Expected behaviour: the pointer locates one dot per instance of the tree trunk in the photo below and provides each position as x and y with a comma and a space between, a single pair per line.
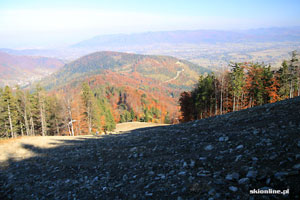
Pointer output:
227, 101
32, 133
233, 103
216, 102
221, 97
210, 108
78, 119
10, 121
22, 132
242, 101
56, 124
42, 118
26, 120
70, 116
6, 130
42, 114
89, 119
298, 91
69, 129
291, 89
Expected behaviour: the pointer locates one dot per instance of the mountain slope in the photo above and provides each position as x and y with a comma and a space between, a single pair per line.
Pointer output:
147, 85
23, 69
222, 157
158, 68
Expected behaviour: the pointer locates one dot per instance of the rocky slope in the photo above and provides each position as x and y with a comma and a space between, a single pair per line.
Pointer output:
221, 157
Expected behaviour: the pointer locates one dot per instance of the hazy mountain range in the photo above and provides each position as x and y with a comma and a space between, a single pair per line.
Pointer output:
161, 41
193, 37
23, 70
211, 49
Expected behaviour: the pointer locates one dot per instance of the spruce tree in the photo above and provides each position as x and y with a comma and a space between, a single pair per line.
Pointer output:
9, 112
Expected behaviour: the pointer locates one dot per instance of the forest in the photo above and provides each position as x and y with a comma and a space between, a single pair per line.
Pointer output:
92, 107
43, 113
246, 85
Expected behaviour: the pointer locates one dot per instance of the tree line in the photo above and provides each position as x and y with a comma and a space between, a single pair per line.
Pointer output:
53, 113
244, 86
87, 108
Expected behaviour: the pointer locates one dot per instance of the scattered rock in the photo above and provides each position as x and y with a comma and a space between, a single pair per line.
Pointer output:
297, 166
151, 173
208, 147
280, 175
254, 158
202, 158
233, 176
133, 149
223, 139
192, 164
148, 194
182, 173
175, 162
233, 188
251, 174
243, 181
237, 158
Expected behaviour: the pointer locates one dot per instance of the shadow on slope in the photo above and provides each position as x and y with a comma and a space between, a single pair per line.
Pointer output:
221, 157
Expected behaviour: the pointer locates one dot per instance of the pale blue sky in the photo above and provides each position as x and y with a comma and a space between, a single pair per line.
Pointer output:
38, 23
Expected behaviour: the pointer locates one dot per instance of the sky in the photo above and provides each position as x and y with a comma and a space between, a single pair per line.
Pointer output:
57, 23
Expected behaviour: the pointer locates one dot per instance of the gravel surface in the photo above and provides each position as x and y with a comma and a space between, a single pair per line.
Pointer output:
222, 157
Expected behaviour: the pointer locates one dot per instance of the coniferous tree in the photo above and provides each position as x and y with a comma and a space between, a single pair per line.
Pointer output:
237, 84
22, 106
87, 96
41, 97
187, 106
33, 112
9, 112
245, 86
284, 81
92, 110
55, 116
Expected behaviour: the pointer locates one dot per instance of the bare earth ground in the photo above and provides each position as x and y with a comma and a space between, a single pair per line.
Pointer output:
15, 148
222, 157
128, 126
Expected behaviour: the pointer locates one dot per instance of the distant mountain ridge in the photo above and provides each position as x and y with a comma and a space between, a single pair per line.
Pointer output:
212, 49
24, 69
193, 37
